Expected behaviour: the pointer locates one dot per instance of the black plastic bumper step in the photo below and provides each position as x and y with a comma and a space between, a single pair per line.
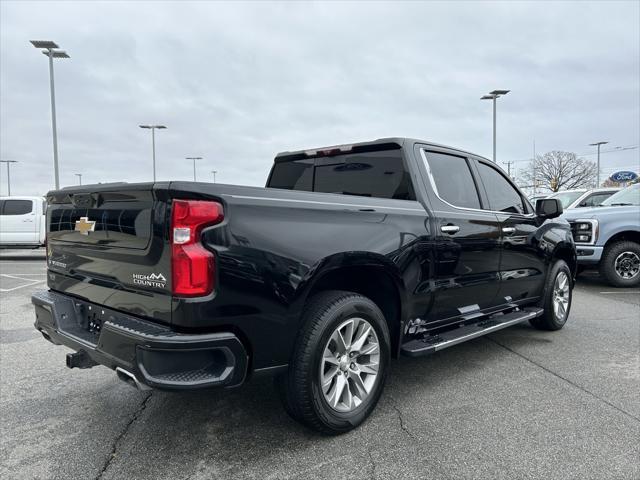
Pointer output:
433, 343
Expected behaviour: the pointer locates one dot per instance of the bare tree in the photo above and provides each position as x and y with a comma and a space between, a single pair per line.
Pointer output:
610, 183
558, 170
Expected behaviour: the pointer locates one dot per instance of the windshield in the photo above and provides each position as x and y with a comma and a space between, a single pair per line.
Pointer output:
568, 197
628, 196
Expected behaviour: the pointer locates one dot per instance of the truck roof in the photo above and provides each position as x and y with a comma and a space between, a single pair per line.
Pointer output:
390, 143
23, 197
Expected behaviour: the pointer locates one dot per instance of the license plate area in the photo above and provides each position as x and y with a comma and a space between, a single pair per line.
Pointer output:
85, 323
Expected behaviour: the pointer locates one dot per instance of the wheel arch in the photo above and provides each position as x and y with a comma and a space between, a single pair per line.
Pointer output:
624, 235
373, 277
567, 252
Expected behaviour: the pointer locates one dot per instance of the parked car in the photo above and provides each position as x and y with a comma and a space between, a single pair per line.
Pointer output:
22, 222
567, 197
607, 237
593, 198
351, 255
534, 198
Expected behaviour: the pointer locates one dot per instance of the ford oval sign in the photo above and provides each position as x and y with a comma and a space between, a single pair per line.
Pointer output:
620, 177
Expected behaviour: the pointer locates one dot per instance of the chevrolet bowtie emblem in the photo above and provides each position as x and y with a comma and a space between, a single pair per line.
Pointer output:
84, 225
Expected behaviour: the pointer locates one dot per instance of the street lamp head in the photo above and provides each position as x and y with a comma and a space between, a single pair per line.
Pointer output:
152, 126
597, 143
44, 44
8, 161
499, 92
488, 97
159, 126
56, 53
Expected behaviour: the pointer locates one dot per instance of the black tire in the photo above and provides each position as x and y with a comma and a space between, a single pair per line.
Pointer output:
608, 263
549, 320
299, 387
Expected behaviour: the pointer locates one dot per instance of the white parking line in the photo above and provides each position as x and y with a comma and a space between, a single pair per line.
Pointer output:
31, 281
617, 293
20, 275
28, 264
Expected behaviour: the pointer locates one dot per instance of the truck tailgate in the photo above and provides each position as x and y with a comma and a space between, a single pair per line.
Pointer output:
109, 245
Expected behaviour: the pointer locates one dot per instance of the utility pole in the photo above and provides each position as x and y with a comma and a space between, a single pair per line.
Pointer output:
508, 164
79, 175
8, 162
597, 144
194, 165
49, 49
494, 96
214, 175
535, 177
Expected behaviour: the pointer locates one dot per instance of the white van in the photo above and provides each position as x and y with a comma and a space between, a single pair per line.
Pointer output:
22, 222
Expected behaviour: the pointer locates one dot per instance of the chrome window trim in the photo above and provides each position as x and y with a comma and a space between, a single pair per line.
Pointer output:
435, 189
353, 205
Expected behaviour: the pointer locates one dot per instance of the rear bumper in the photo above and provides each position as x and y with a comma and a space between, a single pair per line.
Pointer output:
588, 254
149, 354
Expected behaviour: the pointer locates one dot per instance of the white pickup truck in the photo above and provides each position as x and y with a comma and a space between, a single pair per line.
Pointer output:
22, 222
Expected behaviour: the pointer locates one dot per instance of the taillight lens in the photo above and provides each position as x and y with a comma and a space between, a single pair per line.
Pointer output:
192, 265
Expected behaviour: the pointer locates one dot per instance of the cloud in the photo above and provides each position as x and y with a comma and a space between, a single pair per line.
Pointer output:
237, 82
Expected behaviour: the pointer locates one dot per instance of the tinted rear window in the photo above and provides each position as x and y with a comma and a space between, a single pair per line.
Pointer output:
371, 174
17, 207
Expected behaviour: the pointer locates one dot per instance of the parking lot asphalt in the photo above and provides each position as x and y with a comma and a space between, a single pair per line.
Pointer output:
517, 404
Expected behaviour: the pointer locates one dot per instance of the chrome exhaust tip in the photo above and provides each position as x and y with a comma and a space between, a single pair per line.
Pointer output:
129, 378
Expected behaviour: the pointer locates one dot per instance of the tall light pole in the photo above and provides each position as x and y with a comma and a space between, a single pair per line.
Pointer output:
153, 129
8, 162
214, 175
49, 49
194, 165
597, 144
79, 175
494, 96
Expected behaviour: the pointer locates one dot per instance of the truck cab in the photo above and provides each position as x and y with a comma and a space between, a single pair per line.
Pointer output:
22, 222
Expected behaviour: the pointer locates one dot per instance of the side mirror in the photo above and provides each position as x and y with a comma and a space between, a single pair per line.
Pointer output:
548, 208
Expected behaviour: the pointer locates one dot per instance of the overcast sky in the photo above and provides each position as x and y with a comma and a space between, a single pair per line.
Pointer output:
237, 82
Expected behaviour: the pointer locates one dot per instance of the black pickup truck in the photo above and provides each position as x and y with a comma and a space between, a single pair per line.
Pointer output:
350, 256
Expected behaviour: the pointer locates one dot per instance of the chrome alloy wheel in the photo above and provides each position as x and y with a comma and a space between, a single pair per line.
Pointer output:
350, 364
561, 296
627, 265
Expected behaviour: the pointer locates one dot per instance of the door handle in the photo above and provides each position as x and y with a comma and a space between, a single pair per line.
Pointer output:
508, 230
450, 229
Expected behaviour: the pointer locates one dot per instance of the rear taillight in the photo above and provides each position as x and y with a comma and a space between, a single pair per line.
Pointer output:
192, 265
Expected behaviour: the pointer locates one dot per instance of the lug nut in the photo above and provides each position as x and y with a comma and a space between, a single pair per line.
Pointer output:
351, 354
353, 365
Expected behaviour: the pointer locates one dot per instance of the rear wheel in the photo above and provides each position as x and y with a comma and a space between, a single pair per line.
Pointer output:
620, 264
556, 300
339, 364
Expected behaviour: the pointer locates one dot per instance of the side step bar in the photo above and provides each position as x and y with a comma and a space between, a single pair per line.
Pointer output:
433, 343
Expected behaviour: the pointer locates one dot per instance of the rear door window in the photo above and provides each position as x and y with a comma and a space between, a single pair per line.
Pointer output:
17, 207
502, 195
452, 180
